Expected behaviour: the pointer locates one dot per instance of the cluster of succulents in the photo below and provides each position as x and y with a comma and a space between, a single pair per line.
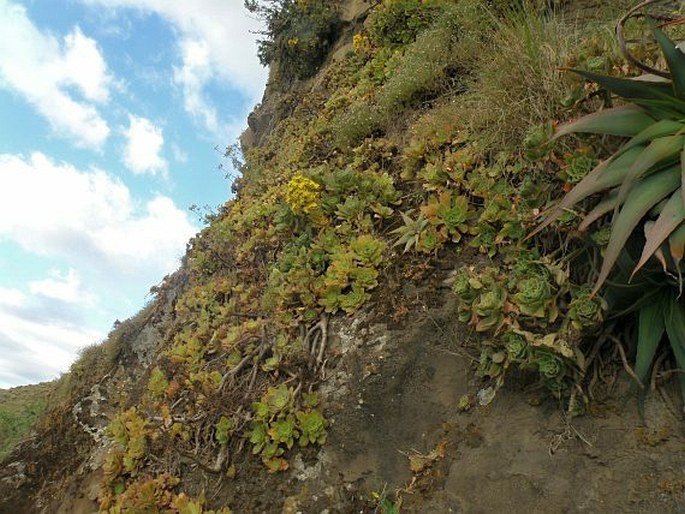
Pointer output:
278, 424
481, 298
352, 273
534, 317
327, 274
550, 355
449, 214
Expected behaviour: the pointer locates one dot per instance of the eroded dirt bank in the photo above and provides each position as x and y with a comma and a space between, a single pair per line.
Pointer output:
394, 392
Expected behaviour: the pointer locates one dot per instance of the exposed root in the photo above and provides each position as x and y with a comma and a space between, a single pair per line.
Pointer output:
180, 419
217, 467
297, 389
178, 400
258, 352
316, 340
666, 374
594, 352
573, 400
626, 366
253, 376
569, 433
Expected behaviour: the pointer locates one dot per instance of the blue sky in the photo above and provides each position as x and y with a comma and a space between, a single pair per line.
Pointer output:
110, 115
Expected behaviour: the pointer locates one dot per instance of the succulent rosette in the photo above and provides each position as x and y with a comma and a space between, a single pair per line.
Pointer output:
516, 346
550, 365
534, 296
463, 287
490, 307
586, 310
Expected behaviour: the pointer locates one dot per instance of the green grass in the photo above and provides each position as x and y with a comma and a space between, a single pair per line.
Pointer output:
436, 63
519, 79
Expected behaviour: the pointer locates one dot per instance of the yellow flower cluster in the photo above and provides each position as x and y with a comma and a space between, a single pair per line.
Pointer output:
303, 195
361, 43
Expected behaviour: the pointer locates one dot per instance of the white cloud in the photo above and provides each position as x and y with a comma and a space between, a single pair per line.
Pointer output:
88, 218
36, 349
159, 235
195, 72
48, 72
64, 288
39, 337
216, 45
84, 67
144, 142
179, 155
11, 297
111, 243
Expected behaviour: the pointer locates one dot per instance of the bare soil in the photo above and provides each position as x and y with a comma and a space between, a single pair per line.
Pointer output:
393, 398
521, 453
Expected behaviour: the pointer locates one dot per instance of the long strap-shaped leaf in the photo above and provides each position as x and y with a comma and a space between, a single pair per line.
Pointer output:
607, 205
626, 120
630, 88
650, 329
659, 150
682, 173
669, 219
674, 320
607, 174
676, 245
670, 107
656, 130
676, 242
642, 197
658, 254
675, 59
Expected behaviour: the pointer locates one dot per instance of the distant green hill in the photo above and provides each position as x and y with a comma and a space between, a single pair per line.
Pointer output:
20, 407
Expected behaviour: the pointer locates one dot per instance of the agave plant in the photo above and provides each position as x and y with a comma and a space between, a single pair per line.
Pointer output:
659, 306
644, 183
646, 175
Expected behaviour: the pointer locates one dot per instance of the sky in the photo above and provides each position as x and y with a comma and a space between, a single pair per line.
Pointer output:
113, 119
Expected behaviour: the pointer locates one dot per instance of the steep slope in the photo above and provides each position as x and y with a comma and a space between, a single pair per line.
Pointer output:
311, 351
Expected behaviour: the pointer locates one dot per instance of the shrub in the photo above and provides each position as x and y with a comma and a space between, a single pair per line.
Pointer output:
298, 34
423, 69
397, 22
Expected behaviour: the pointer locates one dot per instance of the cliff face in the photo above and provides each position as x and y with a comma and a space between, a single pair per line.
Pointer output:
311, 356
276, 104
